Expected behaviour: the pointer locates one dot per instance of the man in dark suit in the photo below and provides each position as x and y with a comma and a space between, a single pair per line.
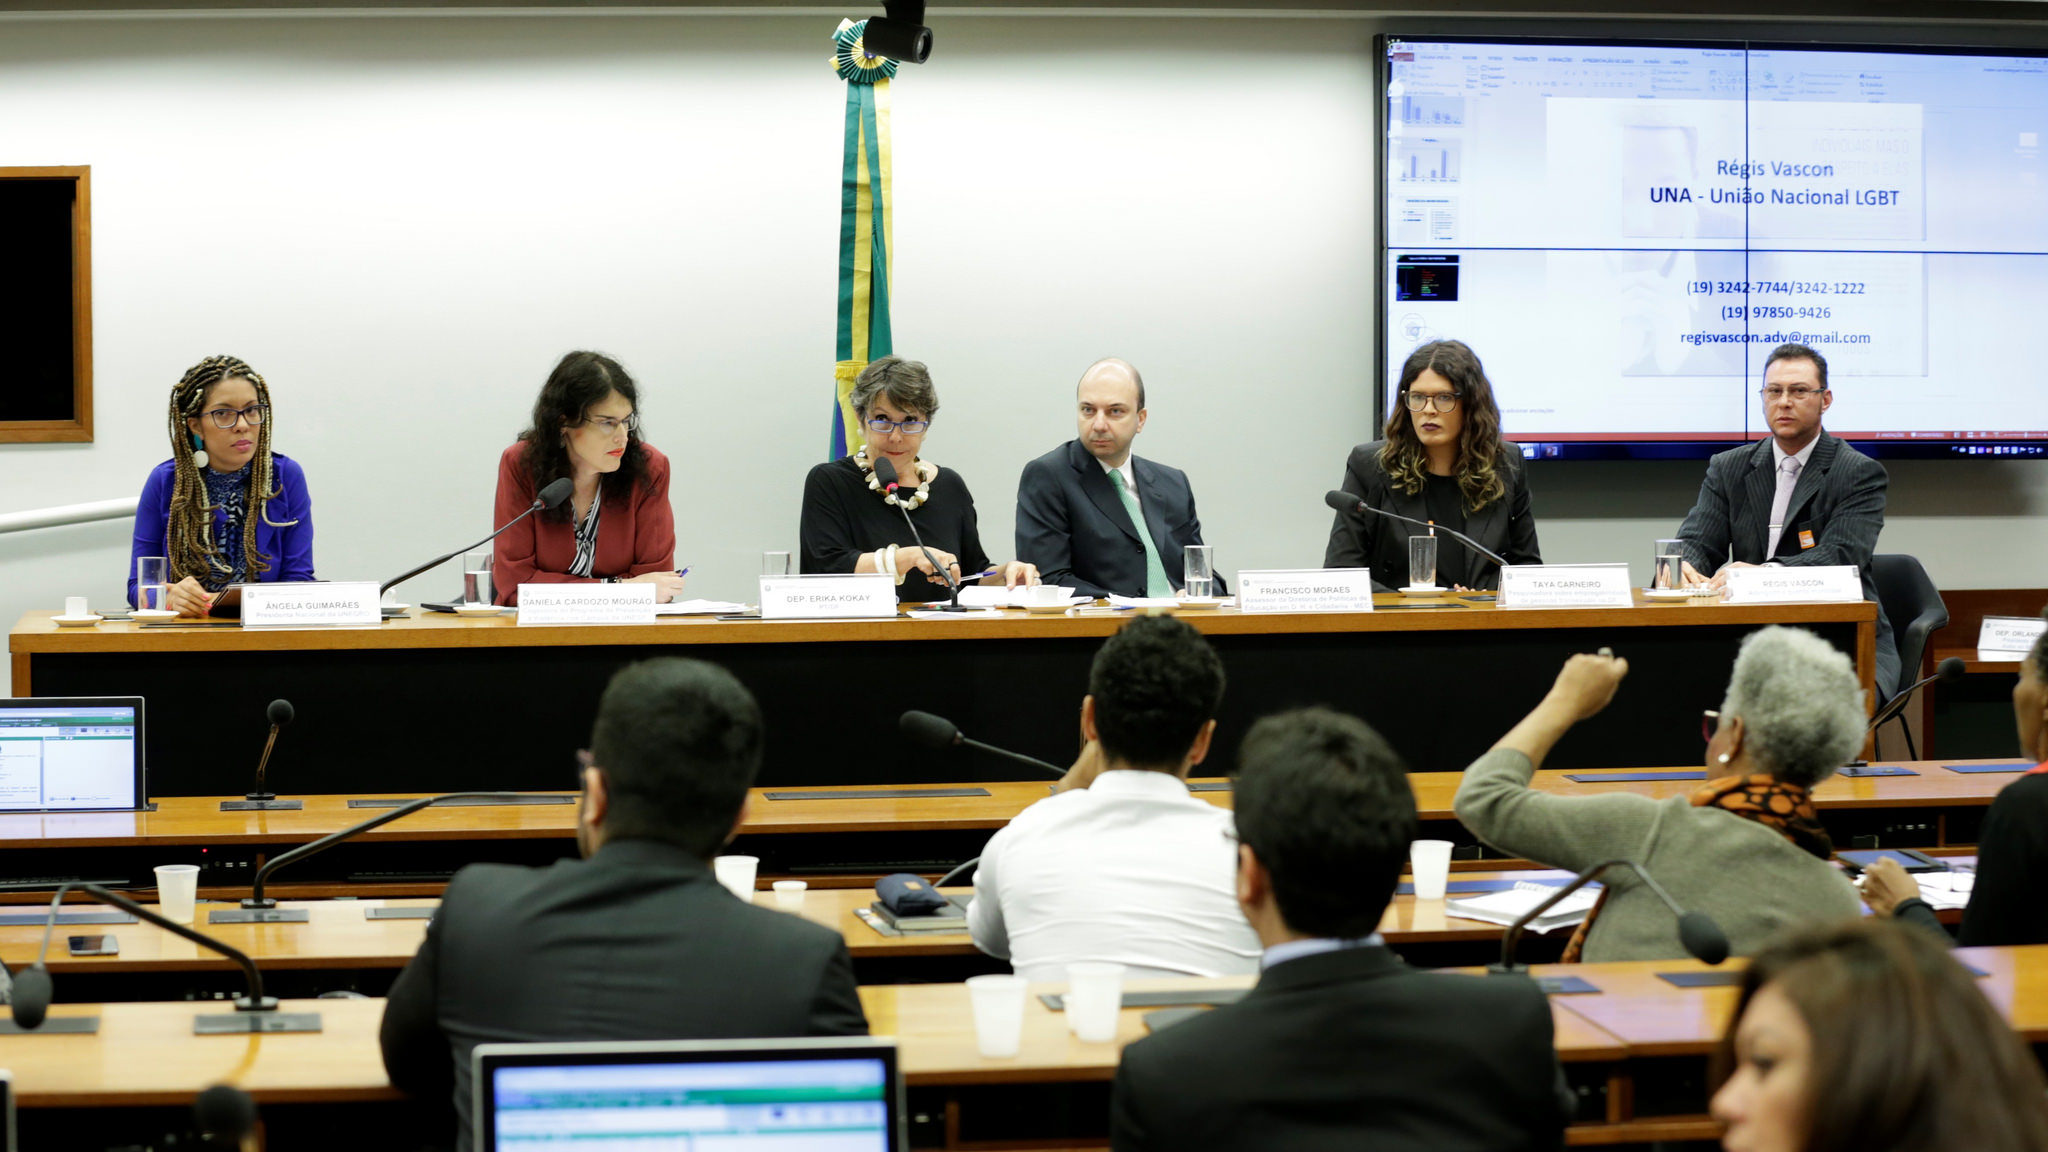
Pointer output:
637, 940
1800, 498
1079, 506
1341, 1046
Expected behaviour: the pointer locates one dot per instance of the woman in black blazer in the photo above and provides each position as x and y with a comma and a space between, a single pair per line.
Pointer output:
1443, 461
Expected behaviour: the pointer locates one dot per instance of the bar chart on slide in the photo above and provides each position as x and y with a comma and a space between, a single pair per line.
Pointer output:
1426, 161
1427, 110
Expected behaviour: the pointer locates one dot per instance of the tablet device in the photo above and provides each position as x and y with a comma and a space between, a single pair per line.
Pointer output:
72, 754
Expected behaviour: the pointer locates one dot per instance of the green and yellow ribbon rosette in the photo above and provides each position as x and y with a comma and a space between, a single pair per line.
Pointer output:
865, 226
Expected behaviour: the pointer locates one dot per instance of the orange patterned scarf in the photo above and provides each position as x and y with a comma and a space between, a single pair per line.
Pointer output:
1784, 808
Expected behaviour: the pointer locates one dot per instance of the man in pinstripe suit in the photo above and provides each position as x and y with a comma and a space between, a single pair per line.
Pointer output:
1801, 497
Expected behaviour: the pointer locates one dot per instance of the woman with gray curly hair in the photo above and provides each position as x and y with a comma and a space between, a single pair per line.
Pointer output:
856, 521
1745, 847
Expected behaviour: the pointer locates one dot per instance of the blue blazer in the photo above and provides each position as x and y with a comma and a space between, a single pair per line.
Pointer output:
288, 550
1072, 524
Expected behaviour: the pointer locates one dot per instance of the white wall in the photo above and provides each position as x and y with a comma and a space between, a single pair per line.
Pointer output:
403, 220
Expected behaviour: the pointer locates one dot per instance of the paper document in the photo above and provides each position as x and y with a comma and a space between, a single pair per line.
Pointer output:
1945, 890
1504, 908
1143, 602
699, 608
997, 596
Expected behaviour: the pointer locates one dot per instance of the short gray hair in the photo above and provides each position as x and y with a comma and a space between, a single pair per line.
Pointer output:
1800, 702
907, 383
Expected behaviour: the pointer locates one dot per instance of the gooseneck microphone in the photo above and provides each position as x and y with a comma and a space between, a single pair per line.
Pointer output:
1947, 672
260, 909
931, 731
254, 1012
885, 473
1696, 930
550, 497
225, 1116
280, 714
1345, 502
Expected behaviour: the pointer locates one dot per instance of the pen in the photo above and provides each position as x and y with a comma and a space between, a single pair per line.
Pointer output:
683, 571
985, 575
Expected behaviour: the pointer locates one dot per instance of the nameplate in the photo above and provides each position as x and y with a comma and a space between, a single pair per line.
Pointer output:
586, 604
2010, 633
1566, 586
1832, 584
339, 602
1305, 590
826, 597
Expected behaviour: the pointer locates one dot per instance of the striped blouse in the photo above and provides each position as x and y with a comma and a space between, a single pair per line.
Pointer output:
586, 536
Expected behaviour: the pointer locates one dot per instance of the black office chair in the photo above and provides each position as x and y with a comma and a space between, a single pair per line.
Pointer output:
1911, 602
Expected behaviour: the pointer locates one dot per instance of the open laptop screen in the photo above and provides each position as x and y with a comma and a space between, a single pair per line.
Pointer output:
714, 1096
71, 754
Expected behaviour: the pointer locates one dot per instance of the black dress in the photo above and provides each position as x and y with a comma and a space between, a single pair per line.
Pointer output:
2007, 905
842, 518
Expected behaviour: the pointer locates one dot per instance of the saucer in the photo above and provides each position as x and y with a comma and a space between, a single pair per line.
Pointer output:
153, 614
1199, 603
1047, 609
477, 609
1424, 590
85, 621
1679, 593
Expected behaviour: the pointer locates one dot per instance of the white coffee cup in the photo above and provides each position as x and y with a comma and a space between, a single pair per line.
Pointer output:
74, 607
1430, 862
1047, 595
737, 874
1094, 995
789, 894
177, 891
998, 1013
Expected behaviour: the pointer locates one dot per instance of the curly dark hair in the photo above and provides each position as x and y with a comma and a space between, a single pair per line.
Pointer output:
1480, 447
1155, 683
581, 380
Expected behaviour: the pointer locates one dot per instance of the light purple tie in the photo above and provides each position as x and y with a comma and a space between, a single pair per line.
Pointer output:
1788, 479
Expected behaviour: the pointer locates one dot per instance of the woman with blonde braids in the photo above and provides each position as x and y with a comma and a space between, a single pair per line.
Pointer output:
224, 509
1443, 461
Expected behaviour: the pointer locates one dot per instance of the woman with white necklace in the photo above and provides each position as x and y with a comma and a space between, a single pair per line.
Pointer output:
852, 521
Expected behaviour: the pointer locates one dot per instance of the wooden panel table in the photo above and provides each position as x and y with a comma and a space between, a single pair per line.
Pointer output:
436, 702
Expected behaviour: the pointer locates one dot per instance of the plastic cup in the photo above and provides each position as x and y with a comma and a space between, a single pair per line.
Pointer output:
737, 874
1047, 595
1422, 561
177, 891
74, 607
1430, 862
1095, 991
789, 894
998, 1014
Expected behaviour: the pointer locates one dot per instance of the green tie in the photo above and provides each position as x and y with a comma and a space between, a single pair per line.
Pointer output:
1156, 583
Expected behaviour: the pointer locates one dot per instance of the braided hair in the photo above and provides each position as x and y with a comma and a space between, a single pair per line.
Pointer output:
189, 543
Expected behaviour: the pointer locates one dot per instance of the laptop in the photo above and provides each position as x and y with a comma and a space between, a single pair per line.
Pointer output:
836, 1094
72, 754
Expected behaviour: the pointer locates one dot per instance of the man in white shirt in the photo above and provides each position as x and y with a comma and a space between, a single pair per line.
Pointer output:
1095, 517
1124, 864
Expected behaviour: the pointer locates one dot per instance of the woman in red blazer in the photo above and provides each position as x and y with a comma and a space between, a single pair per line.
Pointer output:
617, 525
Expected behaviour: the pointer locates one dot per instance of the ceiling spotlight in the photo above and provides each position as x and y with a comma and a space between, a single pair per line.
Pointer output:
900, 35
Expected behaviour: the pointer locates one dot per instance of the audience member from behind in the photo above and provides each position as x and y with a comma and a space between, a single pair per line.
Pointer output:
224, 509
637, 940
1124, 864
1341, 1045
2009, 904
1867, 1037
1745, 847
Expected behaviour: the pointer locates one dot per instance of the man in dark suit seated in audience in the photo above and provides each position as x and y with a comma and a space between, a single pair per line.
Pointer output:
1341, 1045
1095, 517
637, 940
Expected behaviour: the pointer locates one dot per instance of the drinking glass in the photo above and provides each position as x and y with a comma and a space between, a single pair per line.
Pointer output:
1669, 571
1198, 564
476, 578
1422, 561
152, 582
774, 563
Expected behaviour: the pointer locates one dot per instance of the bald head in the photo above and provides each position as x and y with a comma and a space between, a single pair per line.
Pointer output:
1110, 409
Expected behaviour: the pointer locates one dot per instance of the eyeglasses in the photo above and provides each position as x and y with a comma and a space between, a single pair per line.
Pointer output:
1710, 720
226, 417
610, 427
882, 427
1773, 395
1440, 401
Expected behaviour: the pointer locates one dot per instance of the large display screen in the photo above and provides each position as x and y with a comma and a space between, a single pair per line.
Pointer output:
1624, 231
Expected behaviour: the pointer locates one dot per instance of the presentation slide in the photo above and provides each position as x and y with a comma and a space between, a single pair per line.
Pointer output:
1624, 232
66, 758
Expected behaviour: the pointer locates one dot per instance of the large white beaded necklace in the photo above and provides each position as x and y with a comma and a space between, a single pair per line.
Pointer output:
926, 472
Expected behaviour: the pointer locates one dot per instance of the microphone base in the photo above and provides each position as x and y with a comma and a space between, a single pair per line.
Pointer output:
263, 802
264, 911
53, 1026
243, 1021
1499, 969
